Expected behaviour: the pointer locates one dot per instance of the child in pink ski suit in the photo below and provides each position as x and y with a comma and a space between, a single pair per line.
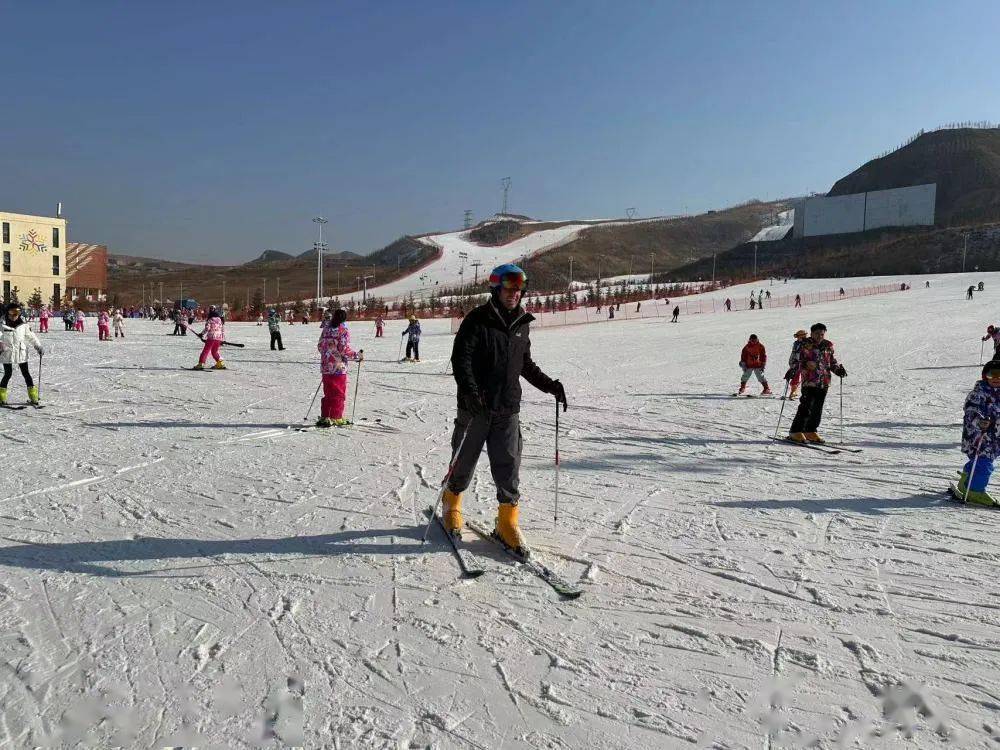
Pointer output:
335, 351
43, 320
79, 321
213, 334
104, 326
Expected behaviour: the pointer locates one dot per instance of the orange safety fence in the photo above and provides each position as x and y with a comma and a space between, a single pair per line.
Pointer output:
660, 308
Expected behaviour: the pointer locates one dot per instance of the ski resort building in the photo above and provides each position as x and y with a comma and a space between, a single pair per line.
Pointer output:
87, 271
34, 257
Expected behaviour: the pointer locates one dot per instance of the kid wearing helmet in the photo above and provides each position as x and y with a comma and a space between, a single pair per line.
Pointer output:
413, 342
979, 437
492, 352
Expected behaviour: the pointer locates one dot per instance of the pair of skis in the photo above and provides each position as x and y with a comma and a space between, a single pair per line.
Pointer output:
20, 407
473, 567
828, 448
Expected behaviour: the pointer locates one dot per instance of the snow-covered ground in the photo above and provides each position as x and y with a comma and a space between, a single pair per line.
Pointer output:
179, 568
448, 269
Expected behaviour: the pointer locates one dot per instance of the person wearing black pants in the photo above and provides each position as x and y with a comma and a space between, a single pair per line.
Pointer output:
815, 363
413, 341
15, 338
273, 323
810, 411
8, 372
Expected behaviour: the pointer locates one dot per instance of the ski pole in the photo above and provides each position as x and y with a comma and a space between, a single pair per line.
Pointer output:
39, 376
975, 460
555, 517
782, 410
444, 482
399, 356
306, 417
842, 410
982, 348
357, 382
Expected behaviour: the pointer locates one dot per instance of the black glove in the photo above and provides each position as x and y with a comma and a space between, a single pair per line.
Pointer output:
790, 374
559, 392
841, 371
475, 404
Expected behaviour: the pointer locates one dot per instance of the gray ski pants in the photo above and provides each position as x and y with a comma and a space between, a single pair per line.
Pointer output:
502, 436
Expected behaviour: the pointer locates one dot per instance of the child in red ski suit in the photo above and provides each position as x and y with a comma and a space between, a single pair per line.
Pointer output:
335, 352
753, 359
103, 326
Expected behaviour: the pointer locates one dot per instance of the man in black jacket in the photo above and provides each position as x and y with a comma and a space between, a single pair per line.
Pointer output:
492, 352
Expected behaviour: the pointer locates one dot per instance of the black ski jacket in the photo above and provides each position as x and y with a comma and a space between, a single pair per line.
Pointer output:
489, 358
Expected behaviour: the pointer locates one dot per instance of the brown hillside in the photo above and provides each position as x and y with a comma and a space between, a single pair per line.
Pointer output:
673, 242
296, 278
964, 162
881, 252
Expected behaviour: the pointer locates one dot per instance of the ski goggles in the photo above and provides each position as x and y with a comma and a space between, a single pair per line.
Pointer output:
514, 280
992, 374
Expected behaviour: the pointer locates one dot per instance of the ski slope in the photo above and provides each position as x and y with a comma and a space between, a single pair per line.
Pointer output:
446, 270
180, 568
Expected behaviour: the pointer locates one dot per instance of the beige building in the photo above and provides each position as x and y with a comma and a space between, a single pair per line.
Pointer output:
34, 257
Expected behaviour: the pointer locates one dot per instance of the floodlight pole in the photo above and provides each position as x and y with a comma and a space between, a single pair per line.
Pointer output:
319, 258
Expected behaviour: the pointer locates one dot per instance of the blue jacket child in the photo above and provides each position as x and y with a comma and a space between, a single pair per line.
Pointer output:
980, 439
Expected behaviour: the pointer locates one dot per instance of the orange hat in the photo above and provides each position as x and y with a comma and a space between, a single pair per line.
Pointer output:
800, 334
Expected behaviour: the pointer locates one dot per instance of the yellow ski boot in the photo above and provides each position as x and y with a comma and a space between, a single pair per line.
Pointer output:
507, 530
452, 512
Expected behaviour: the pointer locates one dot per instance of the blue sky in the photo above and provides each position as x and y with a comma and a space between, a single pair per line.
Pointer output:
212, 131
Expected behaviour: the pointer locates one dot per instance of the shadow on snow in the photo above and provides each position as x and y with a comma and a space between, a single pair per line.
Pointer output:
89, 557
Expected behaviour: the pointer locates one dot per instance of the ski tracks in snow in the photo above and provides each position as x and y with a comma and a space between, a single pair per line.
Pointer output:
182, 569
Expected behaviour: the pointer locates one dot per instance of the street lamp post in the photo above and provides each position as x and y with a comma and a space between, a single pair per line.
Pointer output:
965, 250
364, 293
600, 260
319, 258
651, 269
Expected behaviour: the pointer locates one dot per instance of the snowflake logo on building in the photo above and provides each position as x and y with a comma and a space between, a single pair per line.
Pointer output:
30, 243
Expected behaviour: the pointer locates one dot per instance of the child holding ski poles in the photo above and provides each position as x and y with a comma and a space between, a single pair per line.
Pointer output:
413, 340
213, 334
335, 351
980, 441
15, 335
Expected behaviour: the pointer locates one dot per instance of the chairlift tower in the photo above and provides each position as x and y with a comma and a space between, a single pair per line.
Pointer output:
505, 183
320, 247
468, 219
630, 213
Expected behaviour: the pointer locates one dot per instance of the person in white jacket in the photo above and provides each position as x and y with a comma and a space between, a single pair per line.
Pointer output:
15, 335
119, 323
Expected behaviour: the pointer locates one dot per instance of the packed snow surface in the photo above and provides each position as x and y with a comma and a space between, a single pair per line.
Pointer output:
181, 567
451, 268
